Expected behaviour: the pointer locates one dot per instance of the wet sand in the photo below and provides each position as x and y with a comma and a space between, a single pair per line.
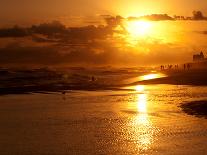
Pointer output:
197, 108
180, 77
146, 121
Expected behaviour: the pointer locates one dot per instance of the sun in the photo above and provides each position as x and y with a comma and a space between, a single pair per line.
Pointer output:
138, 28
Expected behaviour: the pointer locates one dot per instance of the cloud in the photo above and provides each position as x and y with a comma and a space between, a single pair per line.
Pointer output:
56, 30
50, 55
198, 15
96, 54
15, 54
49, 29
16, 31
153, 17
113, 21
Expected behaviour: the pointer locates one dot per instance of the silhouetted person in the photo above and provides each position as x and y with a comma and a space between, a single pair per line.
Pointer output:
170, 66
64, 93
176, 66
93, 79
184, 66
188, 66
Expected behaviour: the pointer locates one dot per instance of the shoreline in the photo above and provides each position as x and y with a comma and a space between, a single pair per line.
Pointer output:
57, 84
180, 77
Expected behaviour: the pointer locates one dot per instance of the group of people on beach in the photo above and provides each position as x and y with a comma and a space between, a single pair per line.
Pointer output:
186, 66
169, 67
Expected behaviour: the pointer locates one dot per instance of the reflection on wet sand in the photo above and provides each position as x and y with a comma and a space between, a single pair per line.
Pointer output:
152, 76
142, 128
139, 120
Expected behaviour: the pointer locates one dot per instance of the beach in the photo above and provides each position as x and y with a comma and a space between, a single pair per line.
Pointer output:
89, 77
133, 119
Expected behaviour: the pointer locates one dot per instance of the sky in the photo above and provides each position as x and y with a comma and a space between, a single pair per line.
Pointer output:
75, 12
68, 32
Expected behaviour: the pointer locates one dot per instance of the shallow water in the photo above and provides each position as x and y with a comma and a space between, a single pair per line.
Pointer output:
135, 120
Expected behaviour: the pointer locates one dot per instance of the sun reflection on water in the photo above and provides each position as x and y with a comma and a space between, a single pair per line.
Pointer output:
152, 76
141, 124
142, 103
139, 88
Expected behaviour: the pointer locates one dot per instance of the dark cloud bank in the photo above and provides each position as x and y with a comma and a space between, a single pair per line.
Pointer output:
196, 15
77, 45
91, 45
48, 56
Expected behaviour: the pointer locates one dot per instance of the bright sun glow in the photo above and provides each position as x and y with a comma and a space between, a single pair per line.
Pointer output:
142, 103
150, 31
139, 88
152, 76
138, 28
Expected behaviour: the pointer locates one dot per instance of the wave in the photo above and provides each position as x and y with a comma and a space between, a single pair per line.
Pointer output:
74, 78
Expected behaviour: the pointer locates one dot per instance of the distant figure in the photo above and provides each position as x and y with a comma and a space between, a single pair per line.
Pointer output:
170, 66
188, 66
93, 79
176, 66
184, 66
64, 92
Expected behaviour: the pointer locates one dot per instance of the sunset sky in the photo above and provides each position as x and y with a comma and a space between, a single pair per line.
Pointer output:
75, 12
124, 42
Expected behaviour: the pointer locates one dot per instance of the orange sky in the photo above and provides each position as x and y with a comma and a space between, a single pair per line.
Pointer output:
151, 42
76, 12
